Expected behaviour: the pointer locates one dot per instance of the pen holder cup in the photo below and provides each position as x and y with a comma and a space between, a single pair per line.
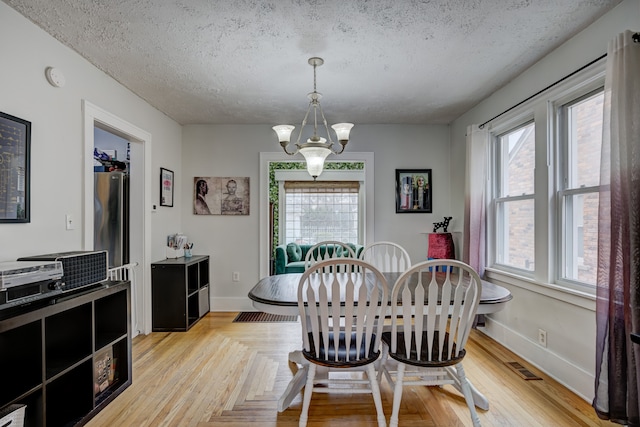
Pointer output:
187, 253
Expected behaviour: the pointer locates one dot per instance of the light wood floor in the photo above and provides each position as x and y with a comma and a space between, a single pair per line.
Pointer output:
222, 373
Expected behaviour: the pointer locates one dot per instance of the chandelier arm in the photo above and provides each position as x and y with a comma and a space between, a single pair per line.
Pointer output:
342, 145
326, 126
284, 146
304, 123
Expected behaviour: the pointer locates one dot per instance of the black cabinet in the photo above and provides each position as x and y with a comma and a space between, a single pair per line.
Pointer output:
180, 292
53, 354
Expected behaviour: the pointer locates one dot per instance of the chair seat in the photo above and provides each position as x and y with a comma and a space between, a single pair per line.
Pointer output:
425, 360
329, 359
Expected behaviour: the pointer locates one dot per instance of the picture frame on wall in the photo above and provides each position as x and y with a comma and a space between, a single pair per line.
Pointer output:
221, 195
166, 187
15, 176
414, 191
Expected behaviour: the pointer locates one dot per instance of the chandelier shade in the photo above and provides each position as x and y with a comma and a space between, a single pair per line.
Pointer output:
316, 149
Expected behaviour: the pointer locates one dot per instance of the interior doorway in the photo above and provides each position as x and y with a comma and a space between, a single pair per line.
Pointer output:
140, 203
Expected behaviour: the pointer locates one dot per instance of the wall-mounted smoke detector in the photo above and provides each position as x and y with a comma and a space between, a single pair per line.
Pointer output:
54, 77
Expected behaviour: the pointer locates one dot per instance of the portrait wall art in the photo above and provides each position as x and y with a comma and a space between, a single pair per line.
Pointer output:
414, 191
15, 153
221, 195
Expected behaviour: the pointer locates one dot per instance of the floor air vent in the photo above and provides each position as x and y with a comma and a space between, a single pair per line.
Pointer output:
256, 316
522, 371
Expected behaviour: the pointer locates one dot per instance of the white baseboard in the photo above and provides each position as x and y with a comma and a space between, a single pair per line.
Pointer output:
569, 375
231, 304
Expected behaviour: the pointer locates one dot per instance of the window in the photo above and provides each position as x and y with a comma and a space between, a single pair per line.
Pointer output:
514, 197
542, 217
581, 140
318, 211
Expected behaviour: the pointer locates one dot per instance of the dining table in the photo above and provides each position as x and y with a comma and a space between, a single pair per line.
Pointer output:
278, 294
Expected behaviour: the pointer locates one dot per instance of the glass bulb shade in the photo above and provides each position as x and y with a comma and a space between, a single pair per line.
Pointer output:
342, 130
284, 132
315, 159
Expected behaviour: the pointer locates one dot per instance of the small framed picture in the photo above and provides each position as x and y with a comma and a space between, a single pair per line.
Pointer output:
413, 191
166, 187
15, 155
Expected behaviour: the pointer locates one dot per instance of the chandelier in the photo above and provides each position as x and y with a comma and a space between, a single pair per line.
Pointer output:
316, 149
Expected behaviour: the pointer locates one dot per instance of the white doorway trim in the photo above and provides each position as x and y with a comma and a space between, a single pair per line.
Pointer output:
266, 158
140, 208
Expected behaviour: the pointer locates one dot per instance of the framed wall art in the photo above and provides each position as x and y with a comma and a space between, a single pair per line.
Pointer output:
166, 187
413, 191
15, 157
221, 195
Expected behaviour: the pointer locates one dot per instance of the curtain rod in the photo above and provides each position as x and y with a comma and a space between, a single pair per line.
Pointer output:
546, 88
636, 39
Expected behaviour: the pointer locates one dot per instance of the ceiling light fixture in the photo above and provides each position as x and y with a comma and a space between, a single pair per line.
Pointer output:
316, 149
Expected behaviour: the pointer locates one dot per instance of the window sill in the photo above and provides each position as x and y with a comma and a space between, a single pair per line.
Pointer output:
580, 298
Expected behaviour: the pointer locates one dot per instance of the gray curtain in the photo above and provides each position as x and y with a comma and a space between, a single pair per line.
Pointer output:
618, 292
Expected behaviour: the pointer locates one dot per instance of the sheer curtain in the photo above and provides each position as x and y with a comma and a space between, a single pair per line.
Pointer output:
618, 293
475, 198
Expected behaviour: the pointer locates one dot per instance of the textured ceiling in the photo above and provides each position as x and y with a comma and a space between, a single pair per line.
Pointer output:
245, 61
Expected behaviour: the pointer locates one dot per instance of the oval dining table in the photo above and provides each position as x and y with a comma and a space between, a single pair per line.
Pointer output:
278, 294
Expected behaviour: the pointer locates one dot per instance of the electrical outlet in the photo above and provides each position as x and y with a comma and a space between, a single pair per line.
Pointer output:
542, 337
236, 276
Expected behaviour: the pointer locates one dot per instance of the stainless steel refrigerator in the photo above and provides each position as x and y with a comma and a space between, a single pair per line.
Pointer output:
111, 216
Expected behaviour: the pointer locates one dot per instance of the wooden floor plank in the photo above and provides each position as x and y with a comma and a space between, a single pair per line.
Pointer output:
222, 373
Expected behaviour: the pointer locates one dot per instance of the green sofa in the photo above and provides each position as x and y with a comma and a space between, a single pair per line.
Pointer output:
290, 258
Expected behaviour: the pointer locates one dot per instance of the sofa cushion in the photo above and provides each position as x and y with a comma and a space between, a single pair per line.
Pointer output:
283, 263
295, 267
294, 252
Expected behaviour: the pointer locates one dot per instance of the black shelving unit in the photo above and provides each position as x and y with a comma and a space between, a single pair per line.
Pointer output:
49, 354
180, 292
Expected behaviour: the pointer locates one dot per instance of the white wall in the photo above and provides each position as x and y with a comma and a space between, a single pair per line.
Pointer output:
234, 150
57, 145
569, 319
57, 178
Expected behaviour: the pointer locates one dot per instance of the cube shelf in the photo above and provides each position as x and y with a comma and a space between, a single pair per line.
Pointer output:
179, 292
49, 351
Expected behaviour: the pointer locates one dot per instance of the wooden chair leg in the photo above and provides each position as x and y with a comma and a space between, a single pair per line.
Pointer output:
306, 400
375, 391
397, 396
381, 361
468, 396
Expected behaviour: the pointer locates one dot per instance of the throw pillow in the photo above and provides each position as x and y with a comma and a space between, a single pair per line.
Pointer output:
294, 252
353, 248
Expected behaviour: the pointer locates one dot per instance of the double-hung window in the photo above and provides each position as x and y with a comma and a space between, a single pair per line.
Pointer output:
545, 182
580, 123
514, 201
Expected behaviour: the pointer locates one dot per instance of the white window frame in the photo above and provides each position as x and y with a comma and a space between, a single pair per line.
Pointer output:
497, 237
564, 246
543, 110
328, 175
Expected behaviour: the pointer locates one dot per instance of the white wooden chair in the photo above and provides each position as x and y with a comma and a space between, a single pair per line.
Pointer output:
387, 257
329, 249
432, 312
342, 303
